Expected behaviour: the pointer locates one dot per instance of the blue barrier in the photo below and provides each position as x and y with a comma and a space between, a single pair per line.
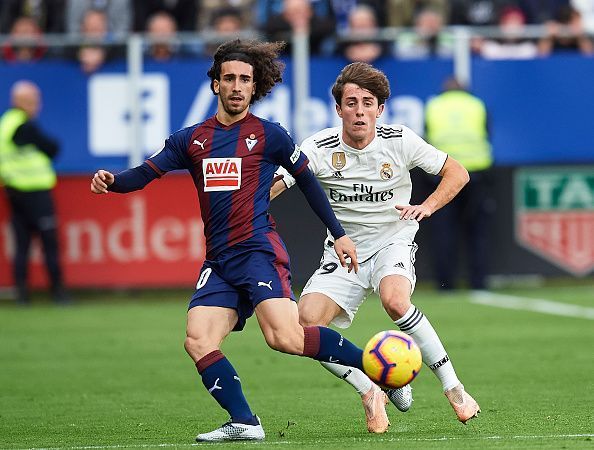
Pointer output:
541, 110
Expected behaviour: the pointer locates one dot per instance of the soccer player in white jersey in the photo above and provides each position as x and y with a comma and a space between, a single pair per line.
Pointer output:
364, 170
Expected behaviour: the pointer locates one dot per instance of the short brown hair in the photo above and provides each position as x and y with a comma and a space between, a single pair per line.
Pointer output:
365, 76
262, 56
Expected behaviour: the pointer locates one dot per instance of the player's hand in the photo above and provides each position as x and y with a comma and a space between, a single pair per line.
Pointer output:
101, 180
414, 212
345, 246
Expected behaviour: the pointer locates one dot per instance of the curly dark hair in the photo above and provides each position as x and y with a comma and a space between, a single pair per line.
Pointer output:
262, 56
365, 76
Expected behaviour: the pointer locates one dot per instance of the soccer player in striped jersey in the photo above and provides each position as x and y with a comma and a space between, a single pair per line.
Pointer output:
232, 158
364, 169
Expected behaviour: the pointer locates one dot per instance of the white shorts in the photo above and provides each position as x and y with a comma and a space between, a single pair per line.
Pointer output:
348, 290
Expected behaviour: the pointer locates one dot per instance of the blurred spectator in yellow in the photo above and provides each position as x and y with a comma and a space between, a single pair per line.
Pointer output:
162, 31
118, 14
184, 13
363, 25
25, 42
428, 38
48, 14
28, 177
512, 44
299, 16
402, 13
566, 33
456, 122
209, 9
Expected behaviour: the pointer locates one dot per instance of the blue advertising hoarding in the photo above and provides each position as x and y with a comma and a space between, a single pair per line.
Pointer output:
541, 110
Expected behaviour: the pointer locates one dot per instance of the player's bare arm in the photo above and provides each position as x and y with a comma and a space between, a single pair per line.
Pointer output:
101, 181
345, 248
453, 178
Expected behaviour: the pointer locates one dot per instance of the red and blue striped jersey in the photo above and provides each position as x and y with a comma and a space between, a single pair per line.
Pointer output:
232, 168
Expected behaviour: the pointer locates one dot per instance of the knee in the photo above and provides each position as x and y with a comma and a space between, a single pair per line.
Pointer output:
396, 305
285, 341
308, 319
198, 346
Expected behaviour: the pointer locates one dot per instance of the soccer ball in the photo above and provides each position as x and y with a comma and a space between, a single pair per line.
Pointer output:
392, 359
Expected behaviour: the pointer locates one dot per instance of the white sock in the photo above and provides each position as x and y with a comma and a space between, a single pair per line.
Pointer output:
415, 324
351, 375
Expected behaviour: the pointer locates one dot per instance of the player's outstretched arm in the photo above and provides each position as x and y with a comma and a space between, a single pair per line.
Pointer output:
454, 177
101, 181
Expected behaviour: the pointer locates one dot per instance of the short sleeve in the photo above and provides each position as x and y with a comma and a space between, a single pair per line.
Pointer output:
421, 154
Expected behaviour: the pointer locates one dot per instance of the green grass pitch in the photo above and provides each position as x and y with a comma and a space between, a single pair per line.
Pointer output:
113, 374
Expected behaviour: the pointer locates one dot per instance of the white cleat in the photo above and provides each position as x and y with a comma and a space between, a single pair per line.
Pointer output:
401, 398
464, 405
234, 432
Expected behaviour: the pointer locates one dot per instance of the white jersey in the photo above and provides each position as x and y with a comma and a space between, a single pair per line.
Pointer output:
364, 186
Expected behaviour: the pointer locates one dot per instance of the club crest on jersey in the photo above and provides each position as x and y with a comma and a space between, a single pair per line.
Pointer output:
221, 174
338, 160
386, 171
251, 142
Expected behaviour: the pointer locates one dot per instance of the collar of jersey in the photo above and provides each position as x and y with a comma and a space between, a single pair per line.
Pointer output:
356, 151
234, 124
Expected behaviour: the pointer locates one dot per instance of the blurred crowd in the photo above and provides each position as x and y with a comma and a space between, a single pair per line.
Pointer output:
96, 29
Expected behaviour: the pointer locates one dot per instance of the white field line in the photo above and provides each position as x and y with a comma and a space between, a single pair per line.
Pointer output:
532, 304
330, 441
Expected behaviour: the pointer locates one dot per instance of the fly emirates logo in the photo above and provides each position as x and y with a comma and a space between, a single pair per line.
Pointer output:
221, 174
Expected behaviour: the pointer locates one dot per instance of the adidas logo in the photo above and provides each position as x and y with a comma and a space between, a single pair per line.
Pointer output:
399, 265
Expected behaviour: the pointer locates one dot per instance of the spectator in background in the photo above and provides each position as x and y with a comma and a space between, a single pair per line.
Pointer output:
48, 14
586, 10
209, 9
402, 13
226, 25
97, 47
342, 10
427, 39
183, 12
512, 44
363, 25
28, 177
117, 12
299, 16
566, 33
476, 12
540, 11
456, 122
162, 30
25, 42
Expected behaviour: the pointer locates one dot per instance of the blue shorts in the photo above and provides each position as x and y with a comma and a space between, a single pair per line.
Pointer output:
245, 274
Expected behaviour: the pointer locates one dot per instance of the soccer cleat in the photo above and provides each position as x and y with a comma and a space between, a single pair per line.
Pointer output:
230, 431
464, 405
374, 403
401, 398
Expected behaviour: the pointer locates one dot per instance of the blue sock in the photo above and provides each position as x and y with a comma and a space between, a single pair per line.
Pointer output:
221, 380
325, 344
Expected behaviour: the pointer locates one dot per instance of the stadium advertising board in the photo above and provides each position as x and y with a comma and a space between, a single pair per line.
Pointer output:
148, 238
555, 215
91, 115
